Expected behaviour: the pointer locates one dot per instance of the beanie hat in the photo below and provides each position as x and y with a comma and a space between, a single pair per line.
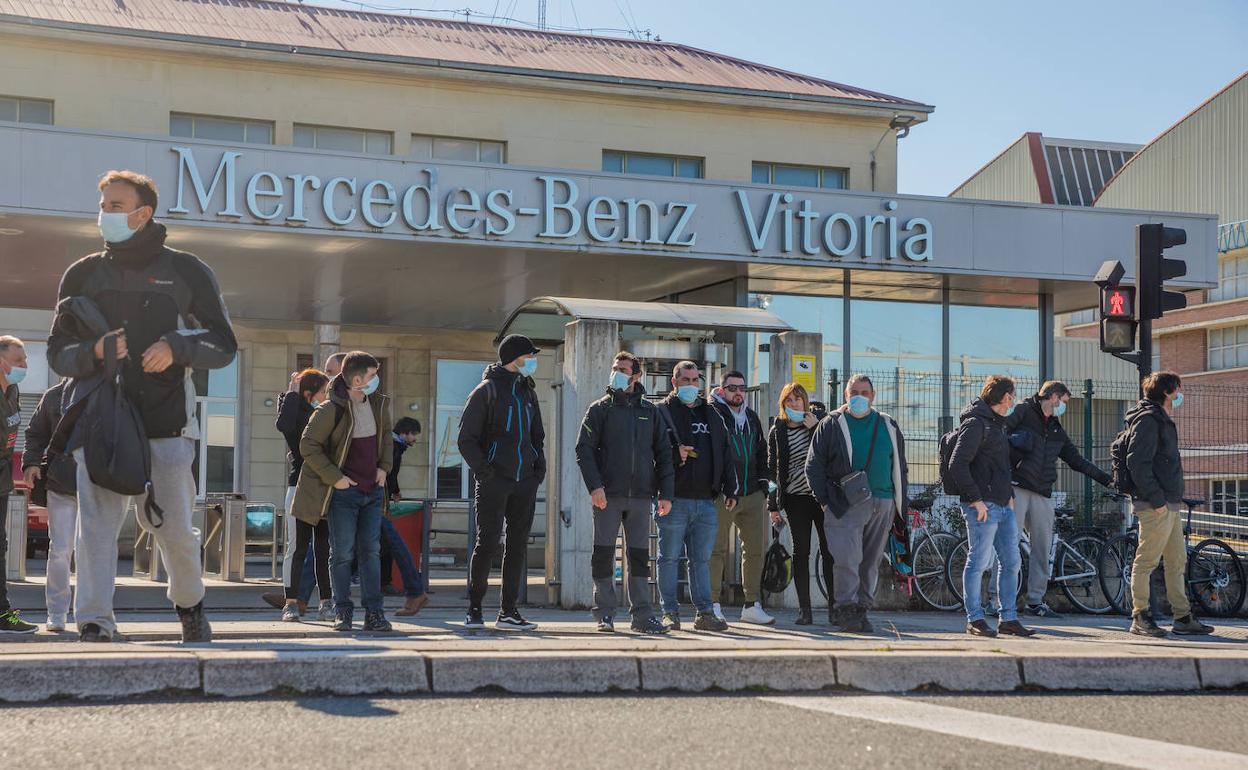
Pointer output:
513, 346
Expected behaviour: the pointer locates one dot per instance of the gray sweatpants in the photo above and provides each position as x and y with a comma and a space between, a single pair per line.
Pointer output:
1035, 512
100, 515
635, 514
856, 541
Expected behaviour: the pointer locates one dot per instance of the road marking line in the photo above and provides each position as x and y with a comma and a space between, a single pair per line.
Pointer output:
1047, 737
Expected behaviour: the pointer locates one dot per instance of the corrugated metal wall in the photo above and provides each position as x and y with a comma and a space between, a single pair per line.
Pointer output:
1076, 359
1008, 177
1199, 166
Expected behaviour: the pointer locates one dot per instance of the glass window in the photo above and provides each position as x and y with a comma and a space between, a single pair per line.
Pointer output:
216, 409
22, 110
343, 139
1232, 279
886, 335
456, 379
825, 315
456, 148
1229, 497
790, 175
220, 129
1228, 347
652, 165
994, 340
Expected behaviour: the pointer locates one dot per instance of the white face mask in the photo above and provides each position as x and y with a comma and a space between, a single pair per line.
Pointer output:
115, 226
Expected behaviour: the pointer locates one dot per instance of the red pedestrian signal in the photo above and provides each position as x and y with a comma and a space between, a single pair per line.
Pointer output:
1118, 302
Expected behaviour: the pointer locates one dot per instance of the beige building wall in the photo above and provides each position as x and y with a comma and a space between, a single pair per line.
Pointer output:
126, 88
1008, 177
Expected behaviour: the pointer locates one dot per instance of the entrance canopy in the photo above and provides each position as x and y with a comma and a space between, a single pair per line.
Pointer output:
542, 319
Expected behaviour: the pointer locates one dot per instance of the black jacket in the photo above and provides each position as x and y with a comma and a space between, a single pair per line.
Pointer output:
392, 480
501, 431
780, 465
830, 459
749, 448
293, 413
154, 293
679, 422
62, 477
624, 448
1153, 454
11, 419
980, 463
1037, 443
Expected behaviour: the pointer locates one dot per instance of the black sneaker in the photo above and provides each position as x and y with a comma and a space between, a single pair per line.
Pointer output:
1041, 610
671, 621
804, 617
706, 621
92, 632
650, 625
346, 615
513, 621
1188, 625
375, 622
10, 623
851, 620
1142, 624
474, 619
195, 626
606, 624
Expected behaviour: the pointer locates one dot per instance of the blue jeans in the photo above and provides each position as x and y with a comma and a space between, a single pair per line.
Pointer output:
355, 534
999, 533
690, 527
413, 585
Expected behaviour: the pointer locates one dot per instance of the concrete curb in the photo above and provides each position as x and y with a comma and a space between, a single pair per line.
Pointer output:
226, 673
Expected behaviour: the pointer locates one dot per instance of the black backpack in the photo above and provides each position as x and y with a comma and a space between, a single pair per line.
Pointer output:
1118, 470
947, 443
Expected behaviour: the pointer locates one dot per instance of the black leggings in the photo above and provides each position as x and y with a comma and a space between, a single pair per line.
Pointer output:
805, 512
304, 533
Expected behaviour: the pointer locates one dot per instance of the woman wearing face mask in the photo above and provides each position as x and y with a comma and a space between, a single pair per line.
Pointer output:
308, 389
787, 446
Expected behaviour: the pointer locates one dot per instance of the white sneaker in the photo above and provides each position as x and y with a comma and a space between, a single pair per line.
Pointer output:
756, 615
719, 612
56, 623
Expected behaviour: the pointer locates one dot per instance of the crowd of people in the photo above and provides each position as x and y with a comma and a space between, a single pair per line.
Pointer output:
134, 320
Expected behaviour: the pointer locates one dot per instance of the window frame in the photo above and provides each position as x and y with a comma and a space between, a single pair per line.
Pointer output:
433, 138
821, 170
364, 134
1222, 348
20, 100
201, 443
1226, 276
625, 155
247, 123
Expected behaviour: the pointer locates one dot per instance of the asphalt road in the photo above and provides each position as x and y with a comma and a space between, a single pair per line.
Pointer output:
726, 731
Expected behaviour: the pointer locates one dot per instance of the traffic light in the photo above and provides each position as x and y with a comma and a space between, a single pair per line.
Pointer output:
1118, 322
1152, 269
1118, 302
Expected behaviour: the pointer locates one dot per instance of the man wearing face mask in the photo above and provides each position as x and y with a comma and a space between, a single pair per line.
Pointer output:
1037, 441
12, 372
704, 471
856, 437
502, 440
168, 318
626, 461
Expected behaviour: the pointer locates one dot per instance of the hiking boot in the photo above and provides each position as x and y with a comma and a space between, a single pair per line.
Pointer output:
1014, 628
1188, 625
671, 621
343, 618
10, 623
413, 605
326, 612
275, 599
195, 626
1041, 610
474, 618
93, 632
706, 621
757, 615
513, 621
606, 625
849, 619
980, 628
375, 622
650, 625
1142, 624
290, 613
804, 617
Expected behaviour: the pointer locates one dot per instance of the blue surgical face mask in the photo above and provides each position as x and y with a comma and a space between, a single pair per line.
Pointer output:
115, 226
795, 415
316, 402
859, 406
16, 375
1175, 403
1060, 409
619, 380
371, 386
528, 367
687, 393
1010, 411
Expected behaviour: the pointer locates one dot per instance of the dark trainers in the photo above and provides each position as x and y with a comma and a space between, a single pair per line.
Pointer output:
864, 621
650, 625
375, 622
513, 621
849, 619
1188, 625
671, 621
10, 623
980, 628
1142, 624
346, 615
92, 632
474, 618
606, 625
804, 617
195, 626
706, 621
1014, 628
1041, 610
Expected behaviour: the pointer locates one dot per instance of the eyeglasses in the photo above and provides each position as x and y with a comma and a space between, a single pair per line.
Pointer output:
734, 388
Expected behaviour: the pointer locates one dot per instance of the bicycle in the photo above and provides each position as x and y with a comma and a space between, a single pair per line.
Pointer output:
1074, 565
1214, 575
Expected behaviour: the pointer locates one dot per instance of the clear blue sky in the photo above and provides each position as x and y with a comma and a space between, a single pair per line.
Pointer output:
1113, 70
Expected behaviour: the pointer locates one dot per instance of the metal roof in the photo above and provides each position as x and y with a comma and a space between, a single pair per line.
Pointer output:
309, 29
542, 319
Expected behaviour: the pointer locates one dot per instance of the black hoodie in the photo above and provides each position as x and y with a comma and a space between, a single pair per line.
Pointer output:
980, 464
712, 472
500, 433
1153, 454
624, 448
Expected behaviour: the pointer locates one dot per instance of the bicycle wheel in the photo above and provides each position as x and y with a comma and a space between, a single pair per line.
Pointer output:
955, 565
819, 576
1215, 578
1115, 571
1077, 572
930, 554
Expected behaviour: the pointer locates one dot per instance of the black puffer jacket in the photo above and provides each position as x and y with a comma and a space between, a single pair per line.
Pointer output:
1037, 443
293, 413
62, 470
980, 463
1153, 454
500, 433
624, 449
